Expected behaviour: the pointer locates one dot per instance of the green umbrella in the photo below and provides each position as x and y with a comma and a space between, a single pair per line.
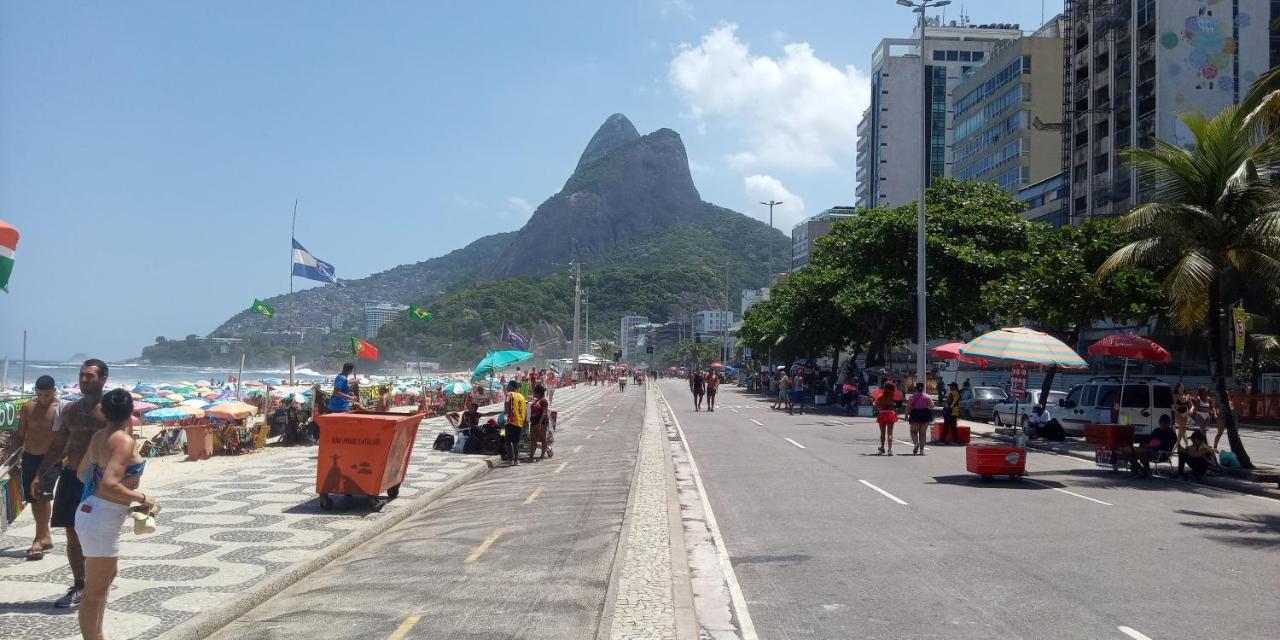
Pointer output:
498, 360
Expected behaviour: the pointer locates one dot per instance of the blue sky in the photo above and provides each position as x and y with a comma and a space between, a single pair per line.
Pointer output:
150, 153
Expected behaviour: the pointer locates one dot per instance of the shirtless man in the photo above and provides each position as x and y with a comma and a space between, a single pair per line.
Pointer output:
76, 426
713, 383
35, 432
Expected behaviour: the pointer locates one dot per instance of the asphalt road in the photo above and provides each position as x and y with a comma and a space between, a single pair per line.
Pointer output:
522, 552
830, 540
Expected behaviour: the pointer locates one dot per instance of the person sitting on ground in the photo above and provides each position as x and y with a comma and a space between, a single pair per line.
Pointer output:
1159, 446
1036, 422
1199, 456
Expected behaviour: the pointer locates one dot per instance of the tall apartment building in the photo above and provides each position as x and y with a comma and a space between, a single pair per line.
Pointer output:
377, 314
752, 296
1000, 110
890, 139
810, 229
627, 334
1133, 66
711, 323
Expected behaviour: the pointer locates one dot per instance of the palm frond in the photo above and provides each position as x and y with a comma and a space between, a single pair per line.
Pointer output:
1188, 285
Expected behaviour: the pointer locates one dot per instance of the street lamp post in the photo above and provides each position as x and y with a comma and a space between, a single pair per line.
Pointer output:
771, 204
920, 7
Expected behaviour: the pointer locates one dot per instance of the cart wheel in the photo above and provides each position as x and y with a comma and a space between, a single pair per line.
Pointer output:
326, 502
393, 492
377, 503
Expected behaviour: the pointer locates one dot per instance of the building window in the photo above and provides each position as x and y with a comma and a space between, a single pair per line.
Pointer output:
953, 56
939, 55
965, 56
978, 55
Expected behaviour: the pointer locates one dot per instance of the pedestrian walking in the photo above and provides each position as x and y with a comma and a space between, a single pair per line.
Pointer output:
1181, 410
713, 383
919, 416
797, 394
33, 437
340, 401
514, 411
699, 389
77, 424
539, 421
951, 417
887, 415
111, 470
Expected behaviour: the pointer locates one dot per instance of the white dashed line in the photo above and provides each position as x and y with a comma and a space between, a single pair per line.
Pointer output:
734, 410
577, 448
1133, 633
909, 444
757, 422
589, 436
1071, 493
794, 442
884, 493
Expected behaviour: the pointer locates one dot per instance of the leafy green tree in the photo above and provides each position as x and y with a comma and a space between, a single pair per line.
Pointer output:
1053, 285
1214, 216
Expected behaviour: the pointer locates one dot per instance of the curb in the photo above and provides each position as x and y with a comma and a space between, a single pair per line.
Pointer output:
681, 574
209, 621
604, 629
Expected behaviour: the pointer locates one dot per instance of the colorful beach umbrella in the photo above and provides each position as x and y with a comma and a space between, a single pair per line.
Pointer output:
951, 351
8, 250
1128, 345
457, 388
231, 411
172, 414
1020, 345
160, 401
143, 407
194, 402
498, 360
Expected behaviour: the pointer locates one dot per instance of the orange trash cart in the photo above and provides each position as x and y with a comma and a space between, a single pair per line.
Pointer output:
989, 460
364, 453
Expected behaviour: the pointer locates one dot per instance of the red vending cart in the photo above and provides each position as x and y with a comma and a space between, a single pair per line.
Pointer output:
990, 460
364, 453
1112, 444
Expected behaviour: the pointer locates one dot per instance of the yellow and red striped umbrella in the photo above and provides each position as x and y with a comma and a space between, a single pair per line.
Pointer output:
1023, 346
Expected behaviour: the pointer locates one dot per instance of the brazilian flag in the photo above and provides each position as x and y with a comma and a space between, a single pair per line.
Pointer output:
418, 313
261, 307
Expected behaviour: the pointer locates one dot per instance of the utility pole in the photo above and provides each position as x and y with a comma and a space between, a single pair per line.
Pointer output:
577, 300
586, 317
771, 204
921, 7
724, 318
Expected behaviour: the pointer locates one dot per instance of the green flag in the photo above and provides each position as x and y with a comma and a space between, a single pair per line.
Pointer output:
418, 313
261, 307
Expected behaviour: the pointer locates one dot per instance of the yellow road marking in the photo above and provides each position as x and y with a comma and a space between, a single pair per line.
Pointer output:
484, 546
560, 468
404, 627
534, 496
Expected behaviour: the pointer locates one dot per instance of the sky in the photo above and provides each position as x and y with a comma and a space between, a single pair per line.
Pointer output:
151, 152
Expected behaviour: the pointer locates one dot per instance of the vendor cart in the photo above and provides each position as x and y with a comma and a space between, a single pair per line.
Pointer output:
990, 460
1112, 444
364, 453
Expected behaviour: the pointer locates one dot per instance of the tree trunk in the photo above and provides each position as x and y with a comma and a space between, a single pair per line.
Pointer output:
1072, 338
1218, 358
835, 359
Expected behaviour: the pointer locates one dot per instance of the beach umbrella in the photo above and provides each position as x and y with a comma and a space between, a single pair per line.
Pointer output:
1020, 345
159, 401
498, 360
172, 414
194, 402
136, 396
951, 351
143, 407
145, 389
203, 383
1128, 345
457, 388
231, 411
716, 365
176, 397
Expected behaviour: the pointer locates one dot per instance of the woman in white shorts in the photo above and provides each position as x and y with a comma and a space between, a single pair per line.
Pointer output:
111, 471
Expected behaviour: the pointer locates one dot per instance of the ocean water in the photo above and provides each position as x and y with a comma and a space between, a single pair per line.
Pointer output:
67, 373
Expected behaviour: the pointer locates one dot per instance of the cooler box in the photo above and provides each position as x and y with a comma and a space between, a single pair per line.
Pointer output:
962, 432
364, 453
199, 441
988, 460
1111, 436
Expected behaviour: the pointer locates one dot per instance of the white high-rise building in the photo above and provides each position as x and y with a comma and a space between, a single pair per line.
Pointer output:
890, 139
751, 296
377, 314
627, 334
711, 323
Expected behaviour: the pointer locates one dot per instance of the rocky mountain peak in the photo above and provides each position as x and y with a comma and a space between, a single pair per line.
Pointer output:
616, 131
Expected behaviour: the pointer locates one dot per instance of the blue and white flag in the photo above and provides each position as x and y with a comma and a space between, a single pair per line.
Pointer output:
512, 337
310, 267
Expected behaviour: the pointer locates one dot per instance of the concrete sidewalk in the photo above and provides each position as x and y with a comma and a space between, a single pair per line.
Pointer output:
233, 531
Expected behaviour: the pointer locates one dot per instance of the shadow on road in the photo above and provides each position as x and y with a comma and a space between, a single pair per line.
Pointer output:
999, 482
1252, 531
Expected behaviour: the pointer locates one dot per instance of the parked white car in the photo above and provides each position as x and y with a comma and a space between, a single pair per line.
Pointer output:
1014, 411
1098, 401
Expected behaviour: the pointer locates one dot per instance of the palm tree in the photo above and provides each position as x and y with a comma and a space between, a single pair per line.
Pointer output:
1214, 217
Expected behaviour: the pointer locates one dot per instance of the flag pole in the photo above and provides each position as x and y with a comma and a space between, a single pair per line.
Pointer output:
293, 230
23, 389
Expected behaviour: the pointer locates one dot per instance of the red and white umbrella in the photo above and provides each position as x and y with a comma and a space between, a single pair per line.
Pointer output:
951, 351
1129, 346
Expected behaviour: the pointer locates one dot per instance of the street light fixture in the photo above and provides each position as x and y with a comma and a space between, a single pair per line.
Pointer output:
920, 7
771, 204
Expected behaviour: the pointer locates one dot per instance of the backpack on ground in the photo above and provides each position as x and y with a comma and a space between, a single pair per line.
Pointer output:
444, 442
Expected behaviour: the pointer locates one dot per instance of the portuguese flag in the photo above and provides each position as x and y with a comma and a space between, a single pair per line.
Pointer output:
418, 313
362, 349
8, 248
262, 307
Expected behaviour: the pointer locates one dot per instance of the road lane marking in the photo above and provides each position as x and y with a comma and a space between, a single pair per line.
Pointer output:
589, 436
734, 410
884, 493
596, 429
577, 448
794, 442
757, 422
1133, 633
745, 624
908, 443
403, 630
534, 496
1070, 493
484, 546
560, 468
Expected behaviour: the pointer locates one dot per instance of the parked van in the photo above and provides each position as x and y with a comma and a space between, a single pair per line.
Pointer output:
1098, 401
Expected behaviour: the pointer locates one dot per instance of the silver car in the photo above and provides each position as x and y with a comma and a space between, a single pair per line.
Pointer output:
978, 403
1015, 409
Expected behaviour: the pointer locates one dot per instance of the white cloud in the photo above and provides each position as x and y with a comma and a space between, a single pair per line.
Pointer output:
763, 188
669, 8
517, 207
796, 111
